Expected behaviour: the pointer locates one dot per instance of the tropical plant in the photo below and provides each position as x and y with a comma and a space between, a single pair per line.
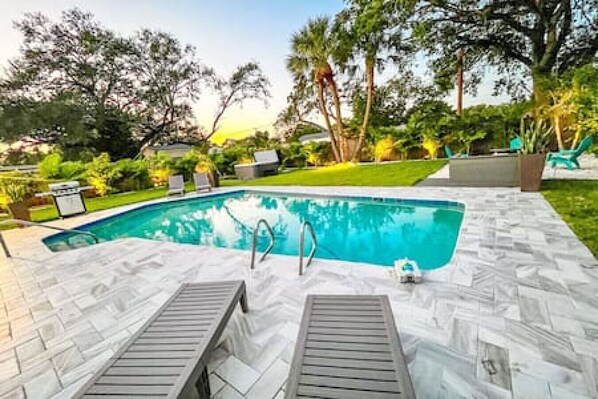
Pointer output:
535, 136
131, 175
101, 174
385, 150
314, 50
14, 189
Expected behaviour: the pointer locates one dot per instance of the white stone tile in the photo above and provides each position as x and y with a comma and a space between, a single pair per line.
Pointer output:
238, 374
560, 393
216, 383
270, 382
43, 385
528, 387
8, 368
228, 392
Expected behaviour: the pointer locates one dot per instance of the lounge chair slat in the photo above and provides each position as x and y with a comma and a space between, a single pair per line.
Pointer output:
153, 362
169, 354
341, 324
361, 363
349, 383
337, 354
348, 338
347, 346
354, 354
338, 393
158, 355
356, 373
137, 380
347, 331
139, 390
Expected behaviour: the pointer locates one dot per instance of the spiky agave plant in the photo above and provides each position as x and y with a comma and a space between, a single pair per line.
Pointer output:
534, 136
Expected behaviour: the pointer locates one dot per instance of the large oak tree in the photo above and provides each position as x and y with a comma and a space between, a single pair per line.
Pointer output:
537, 39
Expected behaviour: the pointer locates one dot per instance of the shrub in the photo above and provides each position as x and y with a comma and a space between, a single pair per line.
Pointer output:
71, 170
186, 165
49, 167
131, 175
160, 168
101, 174
385, 150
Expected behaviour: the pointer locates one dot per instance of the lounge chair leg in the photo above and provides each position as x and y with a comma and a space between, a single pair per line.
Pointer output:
244, 302
203, 385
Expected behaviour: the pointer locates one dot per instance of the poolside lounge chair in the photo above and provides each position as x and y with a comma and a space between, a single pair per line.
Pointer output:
176, 185
266, 164
168, 356
449, 153
202, 182
569, 158
348, 347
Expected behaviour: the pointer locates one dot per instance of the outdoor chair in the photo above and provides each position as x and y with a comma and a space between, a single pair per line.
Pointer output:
266, 164
449, 153
569, 158
201, 181
348, 347
169, 355
176, 185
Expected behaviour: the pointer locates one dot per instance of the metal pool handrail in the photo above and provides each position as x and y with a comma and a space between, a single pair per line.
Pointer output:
309, 227
254, 245
28, 223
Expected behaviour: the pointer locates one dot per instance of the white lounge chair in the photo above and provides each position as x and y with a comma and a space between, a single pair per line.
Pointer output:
202, 182
176, 185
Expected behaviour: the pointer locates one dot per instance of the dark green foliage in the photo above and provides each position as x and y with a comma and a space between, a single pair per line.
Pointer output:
131, 175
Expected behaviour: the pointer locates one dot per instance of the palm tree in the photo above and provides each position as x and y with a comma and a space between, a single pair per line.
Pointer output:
313, 49
367, 28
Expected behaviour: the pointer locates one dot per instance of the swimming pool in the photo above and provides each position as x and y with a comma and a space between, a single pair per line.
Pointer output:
356, 229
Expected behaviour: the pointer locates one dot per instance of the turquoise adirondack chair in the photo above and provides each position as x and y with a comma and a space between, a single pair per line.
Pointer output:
515, 144
569, 157
449, 153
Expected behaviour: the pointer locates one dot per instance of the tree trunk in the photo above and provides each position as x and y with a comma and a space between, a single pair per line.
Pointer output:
558, 132
339, 119
541, 88
460, 56
333, 141
369, 74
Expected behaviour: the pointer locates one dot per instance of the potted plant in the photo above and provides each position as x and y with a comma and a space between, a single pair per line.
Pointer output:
535, 137
15, 192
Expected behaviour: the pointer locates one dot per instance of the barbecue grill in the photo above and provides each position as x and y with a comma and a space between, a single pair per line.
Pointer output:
67, 197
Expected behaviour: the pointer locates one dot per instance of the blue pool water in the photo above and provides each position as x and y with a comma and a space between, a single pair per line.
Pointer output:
370, 230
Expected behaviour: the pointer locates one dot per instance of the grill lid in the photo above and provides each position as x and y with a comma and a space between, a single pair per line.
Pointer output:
67, 185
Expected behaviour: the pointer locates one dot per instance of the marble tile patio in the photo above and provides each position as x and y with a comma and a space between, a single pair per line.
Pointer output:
513, 315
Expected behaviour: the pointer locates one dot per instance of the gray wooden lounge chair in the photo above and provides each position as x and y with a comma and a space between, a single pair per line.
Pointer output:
176, 185
167, 357
202, 182
348, 347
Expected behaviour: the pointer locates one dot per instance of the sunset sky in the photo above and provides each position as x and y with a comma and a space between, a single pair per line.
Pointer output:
225, 32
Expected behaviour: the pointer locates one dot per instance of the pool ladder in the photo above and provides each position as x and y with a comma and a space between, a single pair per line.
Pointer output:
254, 244
306, 226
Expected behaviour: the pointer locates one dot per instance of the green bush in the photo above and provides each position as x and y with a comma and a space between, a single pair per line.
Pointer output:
186, 165
131, 175
53, 167
101, 174
49, 167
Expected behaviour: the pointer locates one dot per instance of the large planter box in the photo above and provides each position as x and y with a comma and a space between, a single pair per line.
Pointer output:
486, 171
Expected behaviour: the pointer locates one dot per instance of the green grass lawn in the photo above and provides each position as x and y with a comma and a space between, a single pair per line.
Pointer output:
394, 174
577, 203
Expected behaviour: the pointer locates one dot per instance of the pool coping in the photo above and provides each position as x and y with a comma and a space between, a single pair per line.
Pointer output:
456, 206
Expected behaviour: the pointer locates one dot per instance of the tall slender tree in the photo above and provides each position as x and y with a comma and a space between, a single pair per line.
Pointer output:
369, 29
314, 50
